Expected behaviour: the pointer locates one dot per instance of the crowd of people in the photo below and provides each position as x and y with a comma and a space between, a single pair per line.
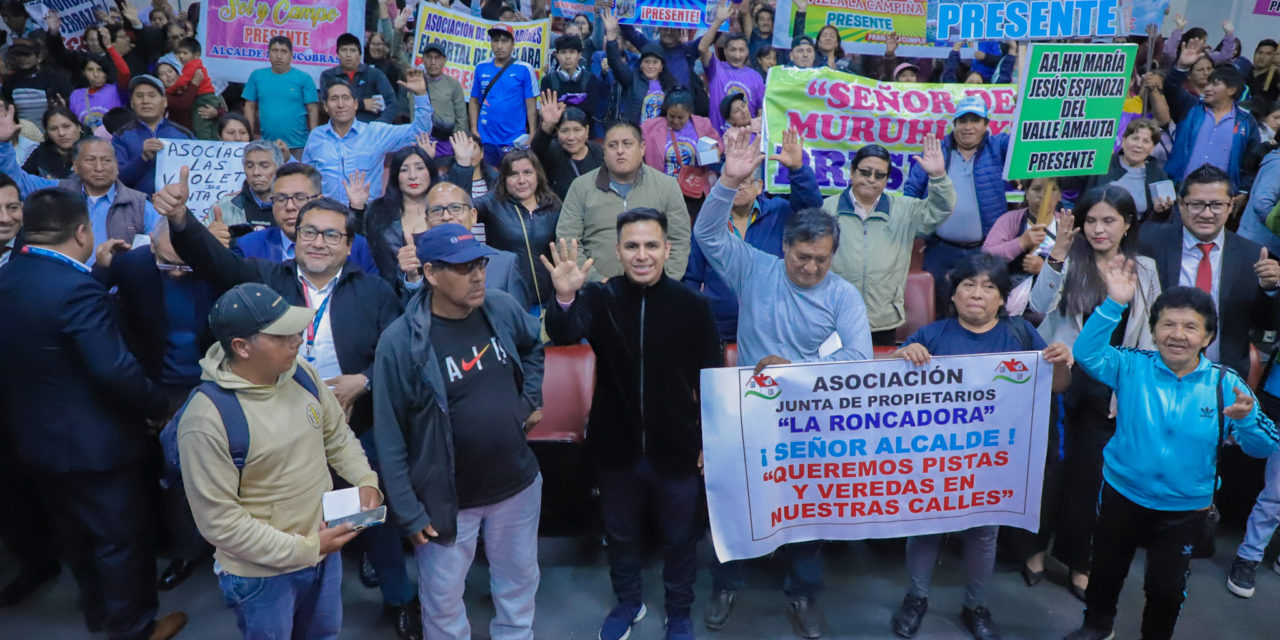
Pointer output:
370, 309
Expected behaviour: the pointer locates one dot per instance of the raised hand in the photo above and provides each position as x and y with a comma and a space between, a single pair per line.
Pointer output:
932, 160
1121, 278
414, 81
53, 22
1179, 21
566, 276
792, 155
740, 157
1228, 28
129, 12
464, 149
724, 12
891, 44
219, 229
1268, 271
150, 147
1190, 53
171, 201
357, 189
1239, 409
107, 250
1066, 235
407, 257
427, 145
552, 110
610, 20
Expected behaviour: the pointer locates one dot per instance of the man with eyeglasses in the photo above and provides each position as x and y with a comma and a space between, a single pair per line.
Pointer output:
295, 185
447, 203
1242, 277
351, 307
116, 211
459, 385
880, 230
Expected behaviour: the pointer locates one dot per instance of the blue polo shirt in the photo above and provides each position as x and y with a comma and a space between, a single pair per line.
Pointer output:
502, 116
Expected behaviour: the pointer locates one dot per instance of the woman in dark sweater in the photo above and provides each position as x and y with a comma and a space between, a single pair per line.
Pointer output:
562, 144
520, 216
52, 159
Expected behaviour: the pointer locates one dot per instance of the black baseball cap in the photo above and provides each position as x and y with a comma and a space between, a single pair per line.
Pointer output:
252, 308
451, 244
145, 79
434, 46
799, 40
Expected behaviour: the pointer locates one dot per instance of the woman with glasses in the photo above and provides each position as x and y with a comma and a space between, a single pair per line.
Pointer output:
1067, 291
878, 230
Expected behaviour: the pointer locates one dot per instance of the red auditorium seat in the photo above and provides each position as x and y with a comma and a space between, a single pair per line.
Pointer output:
567, 383
1255, 368
731, 354
919, 303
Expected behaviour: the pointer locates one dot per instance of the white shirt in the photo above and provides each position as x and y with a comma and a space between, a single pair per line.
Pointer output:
1191, 256
323, 356
4, 259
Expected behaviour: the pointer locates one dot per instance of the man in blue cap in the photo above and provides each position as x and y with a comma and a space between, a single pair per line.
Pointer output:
451, 435
975, 164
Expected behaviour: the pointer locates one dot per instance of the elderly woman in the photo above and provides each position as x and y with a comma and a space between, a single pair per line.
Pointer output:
980, 286
1134, 169
1067, 290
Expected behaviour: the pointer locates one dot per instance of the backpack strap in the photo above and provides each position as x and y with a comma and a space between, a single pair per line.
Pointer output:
300, 376
233, 420
1018, 326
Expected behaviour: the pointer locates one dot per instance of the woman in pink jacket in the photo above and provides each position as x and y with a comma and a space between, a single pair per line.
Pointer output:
671, 146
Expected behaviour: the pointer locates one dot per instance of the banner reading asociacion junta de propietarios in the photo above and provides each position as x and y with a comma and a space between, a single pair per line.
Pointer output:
876, 449
838, 113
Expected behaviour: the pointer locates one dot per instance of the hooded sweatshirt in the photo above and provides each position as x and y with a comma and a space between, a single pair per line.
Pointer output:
264, 520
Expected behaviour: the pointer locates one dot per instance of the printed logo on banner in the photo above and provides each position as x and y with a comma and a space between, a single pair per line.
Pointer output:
1012, 371
762, 386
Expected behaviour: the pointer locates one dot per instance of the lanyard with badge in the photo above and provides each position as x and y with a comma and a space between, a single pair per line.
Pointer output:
310, 353
37, 251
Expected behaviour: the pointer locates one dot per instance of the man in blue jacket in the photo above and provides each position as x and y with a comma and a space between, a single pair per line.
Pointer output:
975, 164
77, 401
1211, 129
1159, 469
137, 145
759, 220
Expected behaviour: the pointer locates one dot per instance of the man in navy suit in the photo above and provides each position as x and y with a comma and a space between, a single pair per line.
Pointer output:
77, 402
295, 185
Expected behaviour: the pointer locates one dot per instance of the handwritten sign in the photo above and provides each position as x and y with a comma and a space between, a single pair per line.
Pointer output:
878, 449
216, 170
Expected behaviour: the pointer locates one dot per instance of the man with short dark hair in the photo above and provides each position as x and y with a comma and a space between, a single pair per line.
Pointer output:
374, 95
574, 84
459, 385
281, 102
1159, 469
10, 217
788, 308
448, 101
346, 146
30, 86
78, 399
502, 89
116, 211
136, 145
1263, 78
651, 337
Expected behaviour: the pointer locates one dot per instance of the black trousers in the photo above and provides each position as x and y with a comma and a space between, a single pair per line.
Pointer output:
25, 529
1168, 537
1022, 543
102, 520
628, 497
1087, 433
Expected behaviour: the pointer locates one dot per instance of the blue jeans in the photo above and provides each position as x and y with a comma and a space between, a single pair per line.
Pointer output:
1265, 516
382, 545
510, 543
804, 571
303, 604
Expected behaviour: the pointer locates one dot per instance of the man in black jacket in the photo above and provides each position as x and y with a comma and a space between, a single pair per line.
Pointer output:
459, 385
652, 337
352, 308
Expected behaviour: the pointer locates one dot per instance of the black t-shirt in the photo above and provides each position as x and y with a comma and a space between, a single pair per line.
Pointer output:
492, 459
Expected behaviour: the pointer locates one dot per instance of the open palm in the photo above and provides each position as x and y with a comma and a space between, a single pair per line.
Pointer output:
566, 276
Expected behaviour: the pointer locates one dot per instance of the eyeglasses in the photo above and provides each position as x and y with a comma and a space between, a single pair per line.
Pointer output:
165, 266
438, 212
298, 198
867, 173
464, 269
309, 233
1197, 207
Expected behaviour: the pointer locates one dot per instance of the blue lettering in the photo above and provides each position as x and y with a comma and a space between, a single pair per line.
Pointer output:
1015, 14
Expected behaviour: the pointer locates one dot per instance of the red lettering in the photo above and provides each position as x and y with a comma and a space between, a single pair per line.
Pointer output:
838, 95
942, 103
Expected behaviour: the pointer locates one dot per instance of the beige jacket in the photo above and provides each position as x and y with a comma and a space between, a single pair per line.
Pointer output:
1046, 293
590, 214
264, 521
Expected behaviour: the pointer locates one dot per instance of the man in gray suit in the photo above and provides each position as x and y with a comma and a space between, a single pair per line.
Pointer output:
448, 203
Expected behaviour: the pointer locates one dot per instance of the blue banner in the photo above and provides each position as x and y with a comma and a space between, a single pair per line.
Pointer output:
950, 20
679, 14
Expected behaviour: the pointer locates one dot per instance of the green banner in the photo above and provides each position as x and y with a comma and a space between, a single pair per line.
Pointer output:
838, 113
1070, 100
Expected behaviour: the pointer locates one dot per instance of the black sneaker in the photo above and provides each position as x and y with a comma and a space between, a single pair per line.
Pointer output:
719, 608
1240, 579
907, 619
978, 622
1089, 633
806, 617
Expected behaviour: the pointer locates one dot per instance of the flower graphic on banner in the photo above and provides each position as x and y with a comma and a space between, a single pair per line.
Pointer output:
1012, 371
762, 386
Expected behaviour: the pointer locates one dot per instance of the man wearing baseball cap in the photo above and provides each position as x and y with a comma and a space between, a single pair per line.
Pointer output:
975, 164
504, 87
33, 83
460, 383
448, 100
263, 515
137, 144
